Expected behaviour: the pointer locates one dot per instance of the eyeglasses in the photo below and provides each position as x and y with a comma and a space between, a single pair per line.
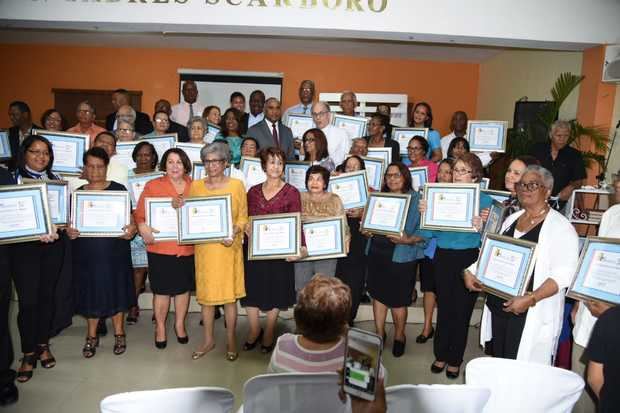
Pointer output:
125, 130
461, 171
309, 140
414, 148
528, 186
212, 161
55, 120
162, 120
393, 176
87, 111
317, 114
44, 154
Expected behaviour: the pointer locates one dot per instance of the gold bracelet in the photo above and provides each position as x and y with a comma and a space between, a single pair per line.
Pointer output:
531, 294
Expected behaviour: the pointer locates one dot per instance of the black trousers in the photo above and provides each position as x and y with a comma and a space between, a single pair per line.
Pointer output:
6, 347
507, 332
36, 268
352, 269
63, 297
455, 303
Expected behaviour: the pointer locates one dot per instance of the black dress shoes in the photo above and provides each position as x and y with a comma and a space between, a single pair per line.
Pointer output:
453, 374
421, 339
398, 348
437, 369
247, 346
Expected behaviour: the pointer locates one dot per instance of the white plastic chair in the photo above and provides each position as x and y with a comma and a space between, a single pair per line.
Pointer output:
181, 400
518, 386
436, 398
292, 393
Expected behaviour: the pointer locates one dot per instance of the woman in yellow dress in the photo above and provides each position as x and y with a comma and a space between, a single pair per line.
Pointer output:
219, 266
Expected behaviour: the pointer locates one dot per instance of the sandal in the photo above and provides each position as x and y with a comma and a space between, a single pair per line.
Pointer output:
28, 360
90, 347
120, 344
132, 317
49, 362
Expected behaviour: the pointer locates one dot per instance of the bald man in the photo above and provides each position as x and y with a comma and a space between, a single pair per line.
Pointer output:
338, 141
271, 131
182, 112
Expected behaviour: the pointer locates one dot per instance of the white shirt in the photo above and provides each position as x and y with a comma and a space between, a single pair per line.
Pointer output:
180, 112
299, 109
338, 143
117, 172
253, 120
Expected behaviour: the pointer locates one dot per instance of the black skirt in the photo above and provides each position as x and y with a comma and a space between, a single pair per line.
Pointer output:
390, 283
171, 275
269, 284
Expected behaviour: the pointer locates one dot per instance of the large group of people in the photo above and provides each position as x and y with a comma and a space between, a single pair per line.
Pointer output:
108, 274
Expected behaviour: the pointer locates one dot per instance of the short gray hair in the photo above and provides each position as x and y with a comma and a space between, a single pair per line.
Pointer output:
87, 103
130, 117
221, 149
559, 124
197, 119
544, 174
324, 104
348, 92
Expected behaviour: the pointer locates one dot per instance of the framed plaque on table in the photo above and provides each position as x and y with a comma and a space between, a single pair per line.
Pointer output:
450, 207
57, 199
386, 213
68, 150
487, 135
136, 184
325, 238
404, 135
497, 213
192, 150
5, 145
24, 213
162, 218
274, 236
253, 171
381, 153
598, 272
355, 126
162, 142
100, 213
352, 188
500, 196
375, 168
419, 177
295, 174
205, 219
299, 124
505, 265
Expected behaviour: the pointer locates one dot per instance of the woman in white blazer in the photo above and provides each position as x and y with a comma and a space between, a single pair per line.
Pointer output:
528, 327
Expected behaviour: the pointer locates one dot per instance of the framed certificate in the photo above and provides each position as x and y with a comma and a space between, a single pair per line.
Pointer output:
419, 176
205, 219
136, 184
24, 213
5, 145
355, 126
275, 236
404, 135
505, 265
325, 238
295, 174
598, 272
253, 171
100, 213
161, 216
375, 168
451, 207
191, 149
484, 183
496, 217
57, 200
162, 142
500, 196
124, 150
487, 135
352, 188
212, 129
198, 171
68, 150
299, 124
386, 213
381, 153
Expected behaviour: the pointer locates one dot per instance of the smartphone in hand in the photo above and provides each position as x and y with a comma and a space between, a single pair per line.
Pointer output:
361, 363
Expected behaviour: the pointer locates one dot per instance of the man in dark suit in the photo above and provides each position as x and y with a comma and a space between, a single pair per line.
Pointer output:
271, 131
142, 124
21, 119
164, 106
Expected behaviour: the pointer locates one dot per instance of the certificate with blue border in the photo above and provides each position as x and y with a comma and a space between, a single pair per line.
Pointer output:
68, 150
57, 199
419, 176
299, 124
136, 184
325, 238
252, 170
192, 150
274, 236
295, 174
161, 217
381, 153
24, 213
484, 183
386, 213
213, 129
124, 152
598, 272
404, 135
500, 196
100, 213
5, 145
450, 207
162, 142
375, 168
352, 188
205, 219
355, 126
487, 135
494, 222
505, 265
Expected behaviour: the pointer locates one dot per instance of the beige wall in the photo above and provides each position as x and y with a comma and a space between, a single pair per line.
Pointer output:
512, 74
614, 160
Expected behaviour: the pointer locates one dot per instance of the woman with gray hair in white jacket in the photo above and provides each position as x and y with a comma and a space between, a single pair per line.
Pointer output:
528, 327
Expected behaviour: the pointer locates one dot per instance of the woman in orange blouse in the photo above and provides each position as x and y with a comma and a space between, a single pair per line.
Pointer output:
171, 266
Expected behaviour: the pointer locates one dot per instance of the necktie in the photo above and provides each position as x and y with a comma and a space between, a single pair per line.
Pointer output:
305, 110
275, 135
191, 111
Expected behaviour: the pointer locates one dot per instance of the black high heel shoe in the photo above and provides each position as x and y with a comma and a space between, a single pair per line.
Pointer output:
437, 369
90, 347
49, 362
181, 340
25, 375
421, 339
250, 346
453, 374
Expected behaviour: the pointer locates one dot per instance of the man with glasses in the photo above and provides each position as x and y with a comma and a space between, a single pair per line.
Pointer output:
86, 121
182, 112
338, 141
141, 120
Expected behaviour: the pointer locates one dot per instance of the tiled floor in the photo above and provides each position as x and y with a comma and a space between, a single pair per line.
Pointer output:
77, 384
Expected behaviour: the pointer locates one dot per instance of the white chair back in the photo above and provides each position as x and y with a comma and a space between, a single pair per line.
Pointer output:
292, 393
518, 386
190, 400
436, 398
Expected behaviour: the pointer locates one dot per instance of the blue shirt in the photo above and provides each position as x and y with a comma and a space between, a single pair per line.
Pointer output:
434, 142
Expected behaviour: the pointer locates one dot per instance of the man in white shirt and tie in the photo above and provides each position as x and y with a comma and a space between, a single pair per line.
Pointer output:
306, 96
338, 141
184, 111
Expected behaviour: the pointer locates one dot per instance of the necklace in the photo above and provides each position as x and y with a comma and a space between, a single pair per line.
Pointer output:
533, 218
